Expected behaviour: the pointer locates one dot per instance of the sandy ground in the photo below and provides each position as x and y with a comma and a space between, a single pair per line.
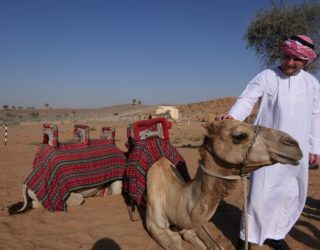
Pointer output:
103, 222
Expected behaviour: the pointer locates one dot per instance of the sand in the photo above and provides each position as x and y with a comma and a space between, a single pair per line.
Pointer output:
103, 222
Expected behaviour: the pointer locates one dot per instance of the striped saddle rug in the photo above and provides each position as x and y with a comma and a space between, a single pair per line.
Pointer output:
141, 158
73, 166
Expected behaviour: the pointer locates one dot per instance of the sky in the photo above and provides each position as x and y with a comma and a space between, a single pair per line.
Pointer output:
98, 53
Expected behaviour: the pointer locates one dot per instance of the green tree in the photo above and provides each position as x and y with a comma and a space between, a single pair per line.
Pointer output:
134, 101
46, 105
5, 107
270, 27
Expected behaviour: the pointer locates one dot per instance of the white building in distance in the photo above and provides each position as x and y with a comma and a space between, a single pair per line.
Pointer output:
168, 111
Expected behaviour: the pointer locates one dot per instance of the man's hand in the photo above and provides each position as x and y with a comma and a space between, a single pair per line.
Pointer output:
314, 161
222, 117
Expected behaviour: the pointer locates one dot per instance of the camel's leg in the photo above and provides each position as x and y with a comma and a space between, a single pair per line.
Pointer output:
158, 226
23, 206
90, 192
75, 199
35, 202
206, 237
191, 237
116, 187
164, 236
156, 220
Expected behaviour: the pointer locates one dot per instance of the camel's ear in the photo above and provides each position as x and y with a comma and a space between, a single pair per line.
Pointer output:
208, 128
202, 152
204, 129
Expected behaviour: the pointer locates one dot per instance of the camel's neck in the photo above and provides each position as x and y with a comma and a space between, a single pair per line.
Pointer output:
211, 185
209, 190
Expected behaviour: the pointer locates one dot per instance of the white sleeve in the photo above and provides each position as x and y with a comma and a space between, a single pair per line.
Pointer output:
314, 138
245, 102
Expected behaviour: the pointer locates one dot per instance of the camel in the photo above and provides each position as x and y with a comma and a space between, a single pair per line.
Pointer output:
76, 198
227, 147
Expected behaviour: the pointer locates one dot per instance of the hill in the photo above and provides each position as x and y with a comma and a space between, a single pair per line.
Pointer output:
125, 112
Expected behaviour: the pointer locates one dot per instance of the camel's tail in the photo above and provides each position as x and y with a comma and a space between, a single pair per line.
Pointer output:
21, 206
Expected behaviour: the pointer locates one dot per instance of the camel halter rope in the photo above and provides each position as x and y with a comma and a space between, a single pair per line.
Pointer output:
243, 176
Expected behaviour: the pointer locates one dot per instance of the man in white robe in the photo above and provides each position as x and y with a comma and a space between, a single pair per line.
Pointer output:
289, 100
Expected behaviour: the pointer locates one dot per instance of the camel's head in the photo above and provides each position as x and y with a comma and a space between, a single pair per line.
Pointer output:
228, 143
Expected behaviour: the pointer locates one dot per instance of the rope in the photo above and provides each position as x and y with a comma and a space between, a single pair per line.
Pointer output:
244, 178
244, 182
228, 177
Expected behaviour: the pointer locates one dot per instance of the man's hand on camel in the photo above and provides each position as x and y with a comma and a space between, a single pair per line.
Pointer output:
222, 117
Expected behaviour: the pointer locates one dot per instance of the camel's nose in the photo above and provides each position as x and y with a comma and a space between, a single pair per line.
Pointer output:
288, 141
292, 143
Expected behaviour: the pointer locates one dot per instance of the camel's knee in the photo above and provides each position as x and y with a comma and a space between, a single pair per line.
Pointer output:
164, 236
75, 199
116, 187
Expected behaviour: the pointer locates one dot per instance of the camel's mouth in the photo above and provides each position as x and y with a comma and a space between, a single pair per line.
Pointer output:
284, 159
253, 166
250, 167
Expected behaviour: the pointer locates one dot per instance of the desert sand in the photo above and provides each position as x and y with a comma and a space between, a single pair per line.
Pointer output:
103, 222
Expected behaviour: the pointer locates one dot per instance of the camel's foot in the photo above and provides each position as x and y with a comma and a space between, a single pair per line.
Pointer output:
133, 211
75, 199
206, 237
191, 237
36, 204
166, 238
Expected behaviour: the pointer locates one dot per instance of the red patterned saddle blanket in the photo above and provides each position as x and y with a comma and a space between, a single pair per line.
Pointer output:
68, 167
143, 155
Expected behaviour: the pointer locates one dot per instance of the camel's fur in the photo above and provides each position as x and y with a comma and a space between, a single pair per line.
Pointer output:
170, 201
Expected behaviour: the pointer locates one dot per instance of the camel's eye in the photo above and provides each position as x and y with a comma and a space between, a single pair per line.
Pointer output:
239, 137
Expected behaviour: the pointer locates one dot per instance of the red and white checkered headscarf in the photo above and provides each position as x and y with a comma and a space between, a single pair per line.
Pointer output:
300, 46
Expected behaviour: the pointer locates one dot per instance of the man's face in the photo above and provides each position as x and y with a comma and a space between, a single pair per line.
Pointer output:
291, 65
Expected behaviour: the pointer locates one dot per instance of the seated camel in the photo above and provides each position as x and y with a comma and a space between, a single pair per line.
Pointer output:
64, 174
228, 147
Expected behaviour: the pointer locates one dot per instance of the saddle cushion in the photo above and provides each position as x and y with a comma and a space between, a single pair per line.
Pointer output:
73, 166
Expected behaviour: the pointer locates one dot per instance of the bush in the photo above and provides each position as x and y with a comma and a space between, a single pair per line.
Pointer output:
34, 115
